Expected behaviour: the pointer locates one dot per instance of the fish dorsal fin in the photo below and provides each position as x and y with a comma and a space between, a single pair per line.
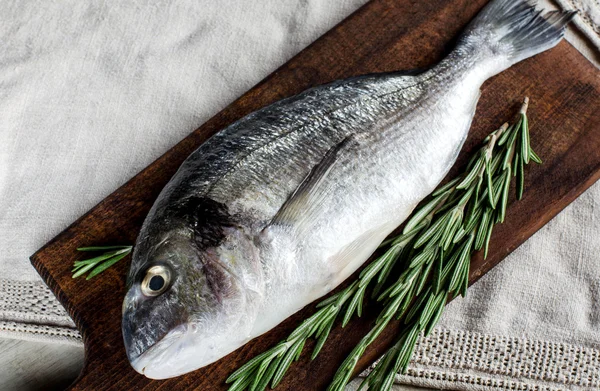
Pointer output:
301, 209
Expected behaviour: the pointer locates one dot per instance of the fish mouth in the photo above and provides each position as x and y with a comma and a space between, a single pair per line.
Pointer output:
162, 360
182, 350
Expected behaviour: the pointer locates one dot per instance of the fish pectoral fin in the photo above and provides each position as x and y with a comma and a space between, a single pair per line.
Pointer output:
355, 253
301, 208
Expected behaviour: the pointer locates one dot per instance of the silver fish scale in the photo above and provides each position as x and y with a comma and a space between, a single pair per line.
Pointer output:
278, 146
254, 165
403, 144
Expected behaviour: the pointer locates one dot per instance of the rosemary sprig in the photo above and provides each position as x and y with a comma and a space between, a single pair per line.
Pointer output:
98, 264
432, 255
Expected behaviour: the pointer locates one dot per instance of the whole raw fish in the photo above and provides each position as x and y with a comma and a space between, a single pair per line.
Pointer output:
279, 208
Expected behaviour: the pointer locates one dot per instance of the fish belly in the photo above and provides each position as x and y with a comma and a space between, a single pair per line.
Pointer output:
374, 187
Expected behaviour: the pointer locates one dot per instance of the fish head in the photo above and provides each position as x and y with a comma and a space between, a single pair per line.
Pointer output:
186, 306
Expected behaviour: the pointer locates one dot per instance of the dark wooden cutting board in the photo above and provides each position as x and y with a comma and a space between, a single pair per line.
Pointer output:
384, 35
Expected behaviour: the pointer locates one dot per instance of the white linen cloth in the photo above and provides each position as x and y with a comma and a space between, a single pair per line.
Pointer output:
92, 92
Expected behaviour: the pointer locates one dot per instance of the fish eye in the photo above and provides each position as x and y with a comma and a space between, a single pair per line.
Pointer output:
156, 281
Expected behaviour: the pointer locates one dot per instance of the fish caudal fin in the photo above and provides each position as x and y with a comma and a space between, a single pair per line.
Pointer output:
513, 30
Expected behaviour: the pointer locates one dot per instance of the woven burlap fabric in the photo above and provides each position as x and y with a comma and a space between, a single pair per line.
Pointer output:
90, 93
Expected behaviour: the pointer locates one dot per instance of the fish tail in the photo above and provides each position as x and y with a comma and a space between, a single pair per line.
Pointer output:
508, 31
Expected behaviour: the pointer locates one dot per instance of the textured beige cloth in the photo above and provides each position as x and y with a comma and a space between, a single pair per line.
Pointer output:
92, 92
588, 19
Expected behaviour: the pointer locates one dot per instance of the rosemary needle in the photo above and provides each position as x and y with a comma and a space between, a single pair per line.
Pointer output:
433, 255
98, 264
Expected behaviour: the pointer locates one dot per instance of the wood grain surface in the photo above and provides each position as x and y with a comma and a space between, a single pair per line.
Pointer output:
384, 35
